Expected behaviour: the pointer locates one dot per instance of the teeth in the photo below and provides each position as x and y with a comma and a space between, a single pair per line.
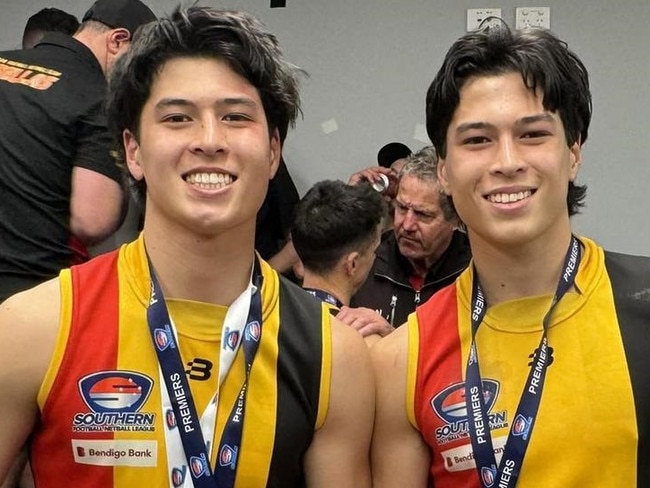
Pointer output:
508, 197
209, 180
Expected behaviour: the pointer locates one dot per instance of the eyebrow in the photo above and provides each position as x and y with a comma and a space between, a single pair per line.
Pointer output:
415, 208
530, 119
182, 102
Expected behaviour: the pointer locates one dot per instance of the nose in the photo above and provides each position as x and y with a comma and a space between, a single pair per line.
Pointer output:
409, 222
209, 138
507, 160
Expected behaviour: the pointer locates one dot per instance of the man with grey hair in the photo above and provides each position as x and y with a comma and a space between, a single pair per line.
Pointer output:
425, 251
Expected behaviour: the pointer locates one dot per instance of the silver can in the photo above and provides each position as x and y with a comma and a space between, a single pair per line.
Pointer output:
381, 185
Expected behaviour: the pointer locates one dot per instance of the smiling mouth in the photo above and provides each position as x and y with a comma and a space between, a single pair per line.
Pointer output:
508, 197
209, 181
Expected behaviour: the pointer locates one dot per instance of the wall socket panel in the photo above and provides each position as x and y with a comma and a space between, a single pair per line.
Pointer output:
476, 16
532, 17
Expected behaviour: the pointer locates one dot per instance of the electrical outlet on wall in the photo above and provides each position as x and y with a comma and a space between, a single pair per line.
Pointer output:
476, 16
532, 17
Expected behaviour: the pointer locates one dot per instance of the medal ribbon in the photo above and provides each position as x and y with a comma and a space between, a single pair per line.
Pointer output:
507, 472
244, 318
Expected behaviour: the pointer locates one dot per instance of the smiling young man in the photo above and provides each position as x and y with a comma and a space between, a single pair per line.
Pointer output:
532, 369
182, 359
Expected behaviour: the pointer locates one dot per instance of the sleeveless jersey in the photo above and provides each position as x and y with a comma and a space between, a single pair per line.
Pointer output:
101, 422
592, 427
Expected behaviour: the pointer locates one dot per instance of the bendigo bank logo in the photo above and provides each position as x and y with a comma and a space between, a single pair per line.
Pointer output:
450, 405
115, 399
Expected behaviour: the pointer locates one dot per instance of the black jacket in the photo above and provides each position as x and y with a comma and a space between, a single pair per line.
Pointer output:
387, 288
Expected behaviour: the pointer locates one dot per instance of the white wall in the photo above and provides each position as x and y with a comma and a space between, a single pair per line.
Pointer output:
371, 61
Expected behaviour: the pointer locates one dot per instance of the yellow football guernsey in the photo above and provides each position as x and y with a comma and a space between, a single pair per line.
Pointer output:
101, 419
592, 428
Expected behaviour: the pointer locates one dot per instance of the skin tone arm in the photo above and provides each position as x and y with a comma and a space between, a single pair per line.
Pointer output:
97, 206
28, 327
339, 453
400, 458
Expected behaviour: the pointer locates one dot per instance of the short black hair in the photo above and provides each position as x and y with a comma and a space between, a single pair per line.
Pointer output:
334, 219
51, 20
544, 62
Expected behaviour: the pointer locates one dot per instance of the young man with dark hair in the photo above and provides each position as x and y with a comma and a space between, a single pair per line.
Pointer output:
336, 231
182, 359
558, 326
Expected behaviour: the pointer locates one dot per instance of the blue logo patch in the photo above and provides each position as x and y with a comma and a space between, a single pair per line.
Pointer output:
228, 456
232, 339
198, 465
170, 419
521, 426
164, 338
253, 331
178, 476
115, 391
450, 403
488, 475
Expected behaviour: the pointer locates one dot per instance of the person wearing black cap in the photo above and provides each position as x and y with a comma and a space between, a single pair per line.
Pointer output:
392, 152
61, 189
48, 20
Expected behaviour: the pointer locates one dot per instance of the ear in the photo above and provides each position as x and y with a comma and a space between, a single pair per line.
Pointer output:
442, 176
276, 152
575, 158
117, 39
132, 153
351, 264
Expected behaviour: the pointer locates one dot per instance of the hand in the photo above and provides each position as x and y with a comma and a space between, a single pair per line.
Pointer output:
370, 174
365, 320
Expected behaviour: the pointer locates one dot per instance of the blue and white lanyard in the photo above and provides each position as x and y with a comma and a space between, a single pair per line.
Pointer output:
323, 296
507, 473
188, 440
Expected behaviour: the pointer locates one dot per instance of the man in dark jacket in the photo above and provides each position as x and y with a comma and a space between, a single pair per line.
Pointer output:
424, 252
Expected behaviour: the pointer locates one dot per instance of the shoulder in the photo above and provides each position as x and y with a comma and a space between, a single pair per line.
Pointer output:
390, 352
29, 323
629, 276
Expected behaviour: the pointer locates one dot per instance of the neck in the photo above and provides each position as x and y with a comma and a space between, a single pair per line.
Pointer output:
211, 270
519, 271
96, 43
329, 284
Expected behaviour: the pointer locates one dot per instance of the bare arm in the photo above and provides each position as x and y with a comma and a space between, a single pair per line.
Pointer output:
400, 458
339, 454
28, 326
97, 205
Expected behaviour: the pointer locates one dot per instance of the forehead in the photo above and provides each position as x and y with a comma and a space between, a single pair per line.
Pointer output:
195, 77
491, 96
418, 194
